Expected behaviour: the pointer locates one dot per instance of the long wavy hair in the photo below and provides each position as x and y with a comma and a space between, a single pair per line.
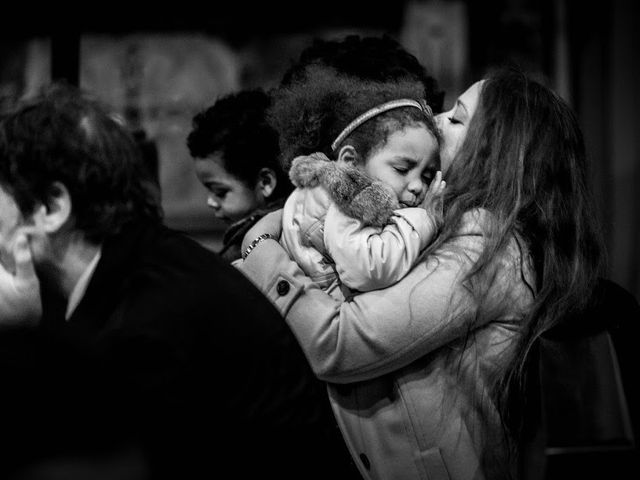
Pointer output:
523, 160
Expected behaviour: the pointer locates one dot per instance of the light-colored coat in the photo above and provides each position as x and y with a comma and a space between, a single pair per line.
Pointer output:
340, 221
410, 367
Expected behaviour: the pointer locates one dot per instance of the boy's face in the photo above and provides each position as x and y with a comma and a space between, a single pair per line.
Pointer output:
406, 162
230, 198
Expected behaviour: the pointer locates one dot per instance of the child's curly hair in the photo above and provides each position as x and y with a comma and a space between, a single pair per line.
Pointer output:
309, 114
368, 58
236, 126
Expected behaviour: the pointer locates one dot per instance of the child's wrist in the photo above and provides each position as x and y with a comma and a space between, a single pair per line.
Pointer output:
254, 243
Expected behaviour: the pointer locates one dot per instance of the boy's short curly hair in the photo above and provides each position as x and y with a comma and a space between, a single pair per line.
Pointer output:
235, 127
378, 59
310, 113
65, 135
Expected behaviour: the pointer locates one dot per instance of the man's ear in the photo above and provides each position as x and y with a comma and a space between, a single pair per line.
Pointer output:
56, 210
267, 182
347, 156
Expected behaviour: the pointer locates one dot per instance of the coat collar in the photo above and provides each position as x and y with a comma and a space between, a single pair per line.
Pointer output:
120, 253
234, 235
354, 192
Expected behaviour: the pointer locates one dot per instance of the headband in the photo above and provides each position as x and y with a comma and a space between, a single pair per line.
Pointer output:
385, 107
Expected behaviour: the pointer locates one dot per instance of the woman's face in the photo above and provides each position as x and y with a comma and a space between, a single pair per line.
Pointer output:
454, 124
229, 197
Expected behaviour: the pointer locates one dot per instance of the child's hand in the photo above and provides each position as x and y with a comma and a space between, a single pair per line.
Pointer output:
432, 201
271, 223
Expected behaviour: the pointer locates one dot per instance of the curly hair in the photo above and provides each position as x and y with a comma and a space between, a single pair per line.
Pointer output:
310, 113
64, 135
236, 127
377, 59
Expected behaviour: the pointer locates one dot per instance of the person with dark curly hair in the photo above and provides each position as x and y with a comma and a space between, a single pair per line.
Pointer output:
235, 153
372, 58
367, 202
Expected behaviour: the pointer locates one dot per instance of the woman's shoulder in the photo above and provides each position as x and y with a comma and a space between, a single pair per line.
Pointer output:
476, 222
515, 257
470, 236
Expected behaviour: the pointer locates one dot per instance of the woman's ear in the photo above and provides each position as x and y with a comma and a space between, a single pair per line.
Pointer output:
56, 210
347, 156
267, 182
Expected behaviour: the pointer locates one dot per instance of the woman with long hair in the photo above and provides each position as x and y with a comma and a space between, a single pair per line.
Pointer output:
425, 376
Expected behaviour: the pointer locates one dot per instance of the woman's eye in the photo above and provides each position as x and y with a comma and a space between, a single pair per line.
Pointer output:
401, 170
454, 120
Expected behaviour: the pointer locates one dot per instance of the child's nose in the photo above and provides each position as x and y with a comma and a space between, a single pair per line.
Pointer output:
416, 186
212, 203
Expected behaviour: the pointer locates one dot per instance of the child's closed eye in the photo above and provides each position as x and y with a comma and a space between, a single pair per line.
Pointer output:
218, 192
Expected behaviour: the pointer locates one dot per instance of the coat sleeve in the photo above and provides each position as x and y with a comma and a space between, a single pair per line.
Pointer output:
369, 258
376, 332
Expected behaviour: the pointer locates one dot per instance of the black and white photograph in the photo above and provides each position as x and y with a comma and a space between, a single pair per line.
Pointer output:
341, 240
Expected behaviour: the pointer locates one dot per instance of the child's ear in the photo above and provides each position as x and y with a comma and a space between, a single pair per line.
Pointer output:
267, 182
347, 156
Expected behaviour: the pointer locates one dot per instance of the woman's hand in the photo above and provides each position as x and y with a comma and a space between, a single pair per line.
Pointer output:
432, 202
270, 223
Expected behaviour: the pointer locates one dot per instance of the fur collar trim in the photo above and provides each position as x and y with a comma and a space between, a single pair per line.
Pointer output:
355, 193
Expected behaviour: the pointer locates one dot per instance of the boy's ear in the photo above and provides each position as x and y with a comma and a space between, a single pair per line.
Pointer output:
267, 182
56, 210
347, 156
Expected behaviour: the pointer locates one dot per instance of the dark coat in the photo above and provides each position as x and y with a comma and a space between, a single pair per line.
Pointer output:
234, 235
209, 372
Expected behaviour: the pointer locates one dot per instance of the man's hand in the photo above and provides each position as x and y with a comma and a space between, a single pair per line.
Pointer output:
270, 223
20, 302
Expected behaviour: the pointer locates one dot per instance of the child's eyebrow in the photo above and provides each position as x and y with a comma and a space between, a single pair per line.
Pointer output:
211, 184
409, 161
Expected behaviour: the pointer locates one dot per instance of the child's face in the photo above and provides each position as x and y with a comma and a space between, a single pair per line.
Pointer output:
406, 162
229, 197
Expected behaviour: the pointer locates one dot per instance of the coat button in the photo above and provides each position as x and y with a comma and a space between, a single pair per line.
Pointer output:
365, 461
282, 288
